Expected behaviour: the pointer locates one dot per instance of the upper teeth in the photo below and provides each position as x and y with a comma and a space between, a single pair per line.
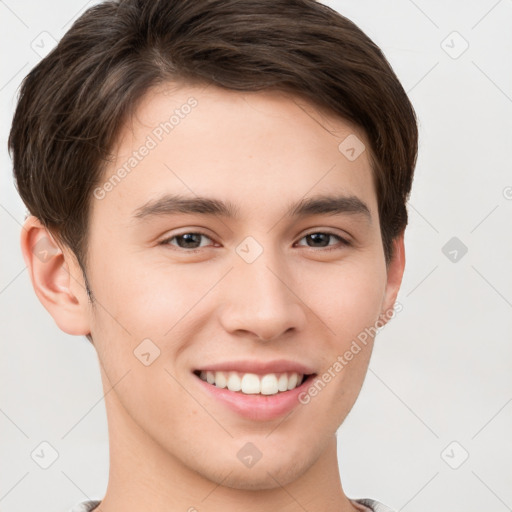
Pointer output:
251, 384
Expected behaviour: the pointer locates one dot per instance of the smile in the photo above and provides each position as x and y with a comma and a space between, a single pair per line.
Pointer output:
260, 396
252, 383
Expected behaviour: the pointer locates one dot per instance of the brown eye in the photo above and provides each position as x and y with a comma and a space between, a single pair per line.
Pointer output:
186, 240
321, 239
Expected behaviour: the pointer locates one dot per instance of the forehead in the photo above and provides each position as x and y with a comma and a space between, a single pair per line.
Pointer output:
250, 147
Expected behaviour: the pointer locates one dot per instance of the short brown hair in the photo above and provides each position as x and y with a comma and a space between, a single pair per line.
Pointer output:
73, 103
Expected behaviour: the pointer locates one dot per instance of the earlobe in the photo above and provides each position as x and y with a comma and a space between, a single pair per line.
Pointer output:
395, 272
56, 278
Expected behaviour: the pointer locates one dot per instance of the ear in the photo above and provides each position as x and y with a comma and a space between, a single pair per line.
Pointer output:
56, 278
395, 272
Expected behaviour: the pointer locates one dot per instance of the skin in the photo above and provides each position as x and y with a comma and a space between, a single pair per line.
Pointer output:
172, 446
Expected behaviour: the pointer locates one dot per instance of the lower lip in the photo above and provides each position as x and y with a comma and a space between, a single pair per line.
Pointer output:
257, 407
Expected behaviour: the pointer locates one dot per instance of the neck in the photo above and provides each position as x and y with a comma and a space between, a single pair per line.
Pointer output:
144, 476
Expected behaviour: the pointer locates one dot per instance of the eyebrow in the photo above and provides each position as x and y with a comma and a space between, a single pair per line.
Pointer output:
170, 204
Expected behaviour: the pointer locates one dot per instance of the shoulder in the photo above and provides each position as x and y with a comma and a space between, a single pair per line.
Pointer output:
364, 504
369, 505
85, 506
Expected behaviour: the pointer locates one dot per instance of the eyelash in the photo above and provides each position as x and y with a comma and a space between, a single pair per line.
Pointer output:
343, 241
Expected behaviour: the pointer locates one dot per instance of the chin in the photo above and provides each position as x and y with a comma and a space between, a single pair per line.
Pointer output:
268, 479
264, 475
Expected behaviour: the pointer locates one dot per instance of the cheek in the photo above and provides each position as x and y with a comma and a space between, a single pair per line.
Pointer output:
347, 298
144, 300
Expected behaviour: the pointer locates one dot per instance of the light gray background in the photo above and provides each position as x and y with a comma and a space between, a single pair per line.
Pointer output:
441, 371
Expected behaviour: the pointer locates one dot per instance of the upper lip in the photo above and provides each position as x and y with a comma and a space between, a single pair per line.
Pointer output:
259, 367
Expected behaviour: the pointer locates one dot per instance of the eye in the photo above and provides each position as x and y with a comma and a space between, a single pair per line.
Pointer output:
320, 239
190, 240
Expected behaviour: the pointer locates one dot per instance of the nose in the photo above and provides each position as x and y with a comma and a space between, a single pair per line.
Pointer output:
259, 300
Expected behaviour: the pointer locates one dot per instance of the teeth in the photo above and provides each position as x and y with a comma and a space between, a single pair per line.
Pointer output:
219, 379
292, 381
269, 384
282, 382
234, 382
252, 384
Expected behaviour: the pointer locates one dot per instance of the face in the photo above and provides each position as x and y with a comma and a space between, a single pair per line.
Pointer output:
242, 246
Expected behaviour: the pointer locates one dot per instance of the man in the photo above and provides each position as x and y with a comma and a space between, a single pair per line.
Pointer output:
220, 189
